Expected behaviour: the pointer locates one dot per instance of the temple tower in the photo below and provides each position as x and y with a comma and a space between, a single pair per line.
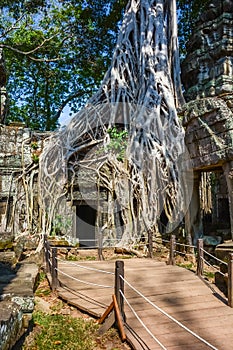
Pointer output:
207, 75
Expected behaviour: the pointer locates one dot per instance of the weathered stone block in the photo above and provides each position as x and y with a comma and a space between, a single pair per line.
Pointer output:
11, 324
209, 131
207, 69
6, 242
8, 257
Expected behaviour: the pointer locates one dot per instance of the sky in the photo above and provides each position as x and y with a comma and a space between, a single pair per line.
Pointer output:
65, 116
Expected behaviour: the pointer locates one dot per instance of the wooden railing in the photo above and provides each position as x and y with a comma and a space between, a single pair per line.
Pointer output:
199, 252
116, 308
115, 312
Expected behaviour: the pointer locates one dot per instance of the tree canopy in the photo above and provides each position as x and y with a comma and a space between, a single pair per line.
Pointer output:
188, 13
56, 52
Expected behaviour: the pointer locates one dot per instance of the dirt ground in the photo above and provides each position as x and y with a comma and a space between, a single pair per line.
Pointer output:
49, 303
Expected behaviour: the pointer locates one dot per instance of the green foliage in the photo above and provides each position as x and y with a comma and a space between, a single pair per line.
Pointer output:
209, 275
42, 276
34, 145
118, 142
35, 158
90, 258
188, 12
42, 292
57, 52
63, 332
188, 265
40, 289
57, 55
77, 258
61, 224
73, 258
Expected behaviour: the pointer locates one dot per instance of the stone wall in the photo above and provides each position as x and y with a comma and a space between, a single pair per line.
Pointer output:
208, 67
209, 131
19, 152
207, 75
15, 154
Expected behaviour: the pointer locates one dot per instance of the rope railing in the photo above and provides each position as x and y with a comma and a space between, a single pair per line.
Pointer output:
186, 245
164, 313
84, 245
181, 253
173, 251
214, 257
82, 281
84, 267
214, 267
142, 323
199, 254
52, 262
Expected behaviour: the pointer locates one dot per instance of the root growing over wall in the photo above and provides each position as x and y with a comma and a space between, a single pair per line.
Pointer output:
140, 94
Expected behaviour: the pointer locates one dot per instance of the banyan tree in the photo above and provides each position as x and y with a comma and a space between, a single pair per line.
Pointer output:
127, 142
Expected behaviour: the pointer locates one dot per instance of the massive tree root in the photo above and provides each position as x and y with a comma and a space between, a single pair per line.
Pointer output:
140, 93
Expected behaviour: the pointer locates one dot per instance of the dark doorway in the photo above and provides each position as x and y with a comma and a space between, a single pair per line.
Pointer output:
85, 224
224, 211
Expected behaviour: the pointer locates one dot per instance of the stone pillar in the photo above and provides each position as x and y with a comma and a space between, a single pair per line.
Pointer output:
228, 171
193, 222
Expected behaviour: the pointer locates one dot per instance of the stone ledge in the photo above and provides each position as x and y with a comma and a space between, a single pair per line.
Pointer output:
223, 250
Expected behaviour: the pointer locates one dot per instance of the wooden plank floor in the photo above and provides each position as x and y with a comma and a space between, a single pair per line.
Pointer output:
175, 290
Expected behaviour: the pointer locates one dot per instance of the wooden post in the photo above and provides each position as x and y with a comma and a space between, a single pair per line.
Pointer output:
119, 285
200, 256
47, 257
100, 246
100, 254
230, 280
54, 269
119, 319
150, 243
171, 260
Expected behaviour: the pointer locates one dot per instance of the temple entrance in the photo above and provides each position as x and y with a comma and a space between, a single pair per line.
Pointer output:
215, 203
85, 225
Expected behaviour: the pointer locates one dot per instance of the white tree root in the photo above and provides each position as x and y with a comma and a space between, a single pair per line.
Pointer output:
140, 92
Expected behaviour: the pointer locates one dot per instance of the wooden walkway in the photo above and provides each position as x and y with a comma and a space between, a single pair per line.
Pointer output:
177, 291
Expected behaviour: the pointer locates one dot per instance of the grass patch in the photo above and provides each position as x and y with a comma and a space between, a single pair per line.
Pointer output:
43, 288
62, 332
80, 258
187, 266
42, 276
43, 292
209, 275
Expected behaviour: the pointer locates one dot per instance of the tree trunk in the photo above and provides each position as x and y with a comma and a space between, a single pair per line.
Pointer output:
140, 93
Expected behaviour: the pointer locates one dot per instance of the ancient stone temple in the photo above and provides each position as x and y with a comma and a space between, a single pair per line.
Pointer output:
207, 75
20, 148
